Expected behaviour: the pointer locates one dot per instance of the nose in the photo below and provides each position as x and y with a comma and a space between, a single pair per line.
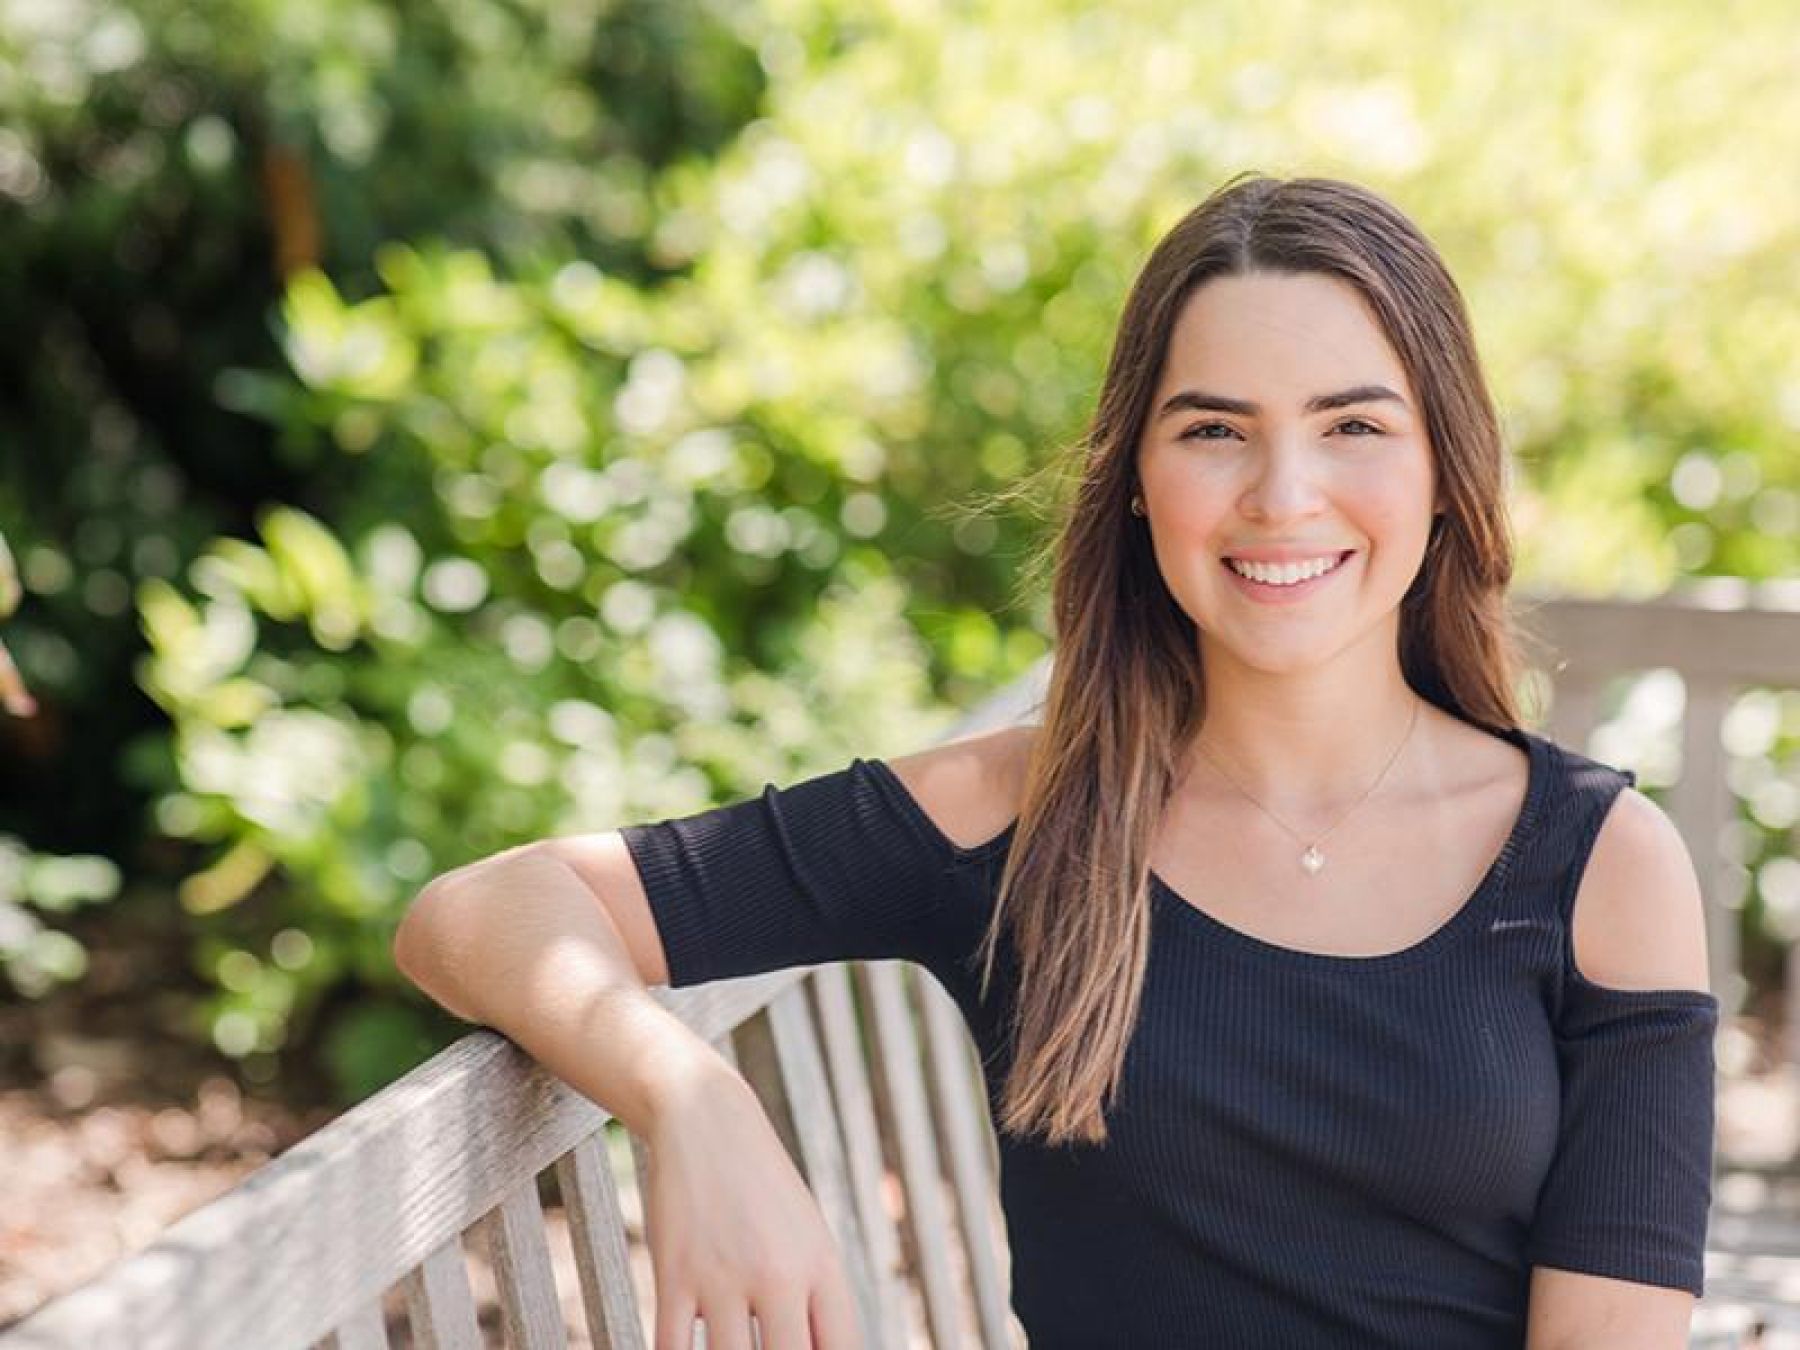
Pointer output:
1284, 482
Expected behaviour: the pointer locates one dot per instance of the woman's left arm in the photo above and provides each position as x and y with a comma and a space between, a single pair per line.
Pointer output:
1595, 1312
1638, 924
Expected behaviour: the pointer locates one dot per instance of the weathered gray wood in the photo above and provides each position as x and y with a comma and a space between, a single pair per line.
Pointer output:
280, 1260
759, 1062
1721, 1327
1792, 1020
1720, 634
1722, 628
602, 1253
1574, 710
640, 1168
963, 1126
1700, 804
364, 1329
814, 1116
439, 1305
897, 1046
845, 1058
514, 1231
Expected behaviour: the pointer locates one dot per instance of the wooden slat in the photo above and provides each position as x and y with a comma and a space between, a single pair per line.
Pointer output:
364, 1329
602, 1253
897, 1047
1722, 1327
640, 1169
1701, 803
1574, 710
520, 1252
963, 1127
844, 1058
438, 1302
759, 1064
1793, 1006
814, 1117
1721, 629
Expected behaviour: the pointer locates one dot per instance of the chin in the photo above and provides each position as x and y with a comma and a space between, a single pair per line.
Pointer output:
1296, 652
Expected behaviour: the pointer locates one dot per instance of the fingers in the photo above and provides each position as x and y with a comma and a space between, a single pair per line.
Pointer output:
833, 1315
683, 1325
782, 1322
675, 1323
824, 1320
727, 1325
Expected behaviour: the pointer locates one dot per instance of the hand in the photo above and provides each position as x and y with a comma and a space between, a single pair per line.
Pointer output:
734, 1233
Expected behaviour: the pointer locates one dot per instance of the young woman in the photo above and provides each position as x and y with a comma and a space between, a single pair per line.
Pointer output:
1321, 1003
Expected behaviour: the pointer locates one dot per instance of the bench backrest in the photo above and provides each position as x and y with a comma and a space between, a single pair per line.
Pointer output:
307, 1250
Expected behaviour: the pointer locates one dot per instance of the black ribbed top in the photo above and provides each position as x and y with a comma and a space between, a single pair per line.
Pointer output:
1307, 1150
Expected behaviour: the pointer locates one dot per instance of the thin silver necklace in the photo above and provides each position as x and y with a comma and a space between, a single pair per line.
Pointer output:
1313, 860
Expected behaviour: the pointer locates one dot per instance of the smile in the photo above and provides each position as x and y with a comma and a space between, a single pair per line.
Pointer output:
1288, 582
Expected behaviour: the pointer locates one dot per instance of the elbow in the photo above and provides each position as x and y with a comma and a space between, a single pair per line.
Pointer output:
409, 936
425, 942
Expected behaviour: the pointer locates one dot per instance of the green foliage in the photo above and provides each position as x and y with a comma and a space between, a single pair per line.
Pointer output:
36, 957
162, 167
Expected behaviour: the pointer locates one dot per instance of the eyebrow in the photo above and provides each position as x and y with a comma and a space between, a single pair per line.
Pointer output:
1204, 402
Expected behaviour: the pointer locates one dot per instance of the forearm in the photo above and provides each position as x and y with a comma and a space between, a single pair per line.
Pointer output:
519, 943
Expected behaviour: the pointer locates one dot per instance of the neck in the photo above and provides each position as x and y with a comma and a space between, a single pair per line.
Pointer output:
1305, 746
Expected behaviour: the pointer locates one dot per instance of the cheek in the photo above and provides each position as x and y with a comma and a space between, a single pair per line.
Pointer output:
1391, 523
1192, 501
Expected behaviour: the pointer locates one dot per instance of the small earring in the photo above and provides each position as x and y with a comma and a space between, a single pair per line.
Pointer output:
1137, 506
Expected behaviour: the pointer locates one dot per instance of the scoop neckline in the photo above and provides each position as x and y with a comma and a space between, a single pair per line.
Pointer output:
1465, 917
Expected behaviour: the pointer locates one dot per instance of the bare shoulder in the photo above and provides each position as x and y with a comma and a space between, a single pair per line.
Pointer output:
972, 787
1639, 921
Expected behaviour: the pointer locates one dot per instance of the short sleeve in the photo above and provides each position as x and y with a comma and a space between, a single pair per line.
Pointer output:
833, 868
1630, 1185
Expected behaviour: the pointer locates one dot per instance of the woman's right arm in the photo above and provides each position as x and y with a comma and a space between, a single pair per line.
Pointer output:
552, 944
519, 943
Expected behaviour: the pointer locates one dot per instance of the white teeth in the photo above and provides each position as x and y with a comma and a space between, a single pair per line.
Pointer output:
1282, 574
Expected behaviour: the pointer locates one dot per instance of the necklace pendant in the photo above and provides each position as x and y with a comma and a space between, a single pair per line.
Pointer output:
1312, 860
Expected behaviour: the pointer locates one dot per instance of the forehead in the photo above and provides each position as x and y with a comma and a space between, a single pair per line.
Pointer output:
1265, 330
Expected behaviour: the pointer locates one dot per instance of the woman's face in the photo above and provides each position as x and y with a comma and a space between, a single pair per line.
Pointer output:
1284, 431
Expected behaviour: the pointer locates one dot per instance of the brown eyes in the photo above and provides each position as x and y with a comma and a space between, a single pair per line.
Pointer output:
1192, 433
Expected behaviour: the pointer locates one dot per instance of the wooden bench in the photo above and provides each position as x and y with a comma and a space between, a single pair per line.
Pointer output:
372, 1210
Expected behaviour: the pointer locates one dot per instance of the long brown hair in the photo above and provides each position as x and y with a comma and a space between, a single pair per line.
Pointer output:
1125, 695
